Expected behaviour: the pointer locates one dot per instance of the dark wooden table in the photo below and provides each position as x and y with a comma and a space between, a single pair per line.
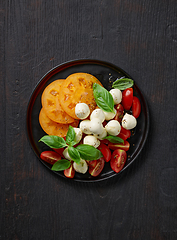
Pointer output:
140, 37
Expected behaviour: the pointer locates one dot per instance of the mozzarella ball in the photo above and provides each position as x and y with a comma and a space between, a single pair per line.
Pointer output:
117, 95
66, 154
98, 113
85, 126
101, 135
96, 126
113, 127
91, 140
78, 133
82, 110
82, 167
110, 115
129, 121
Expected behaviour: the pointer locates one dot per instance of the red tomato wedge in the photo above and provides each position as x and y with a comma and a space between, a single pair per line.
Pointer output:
118, 160
70, 172
124, 133
124, 146
105, 151
95, 171
59, 151
120, 112
127, 98
50, 157
136, 107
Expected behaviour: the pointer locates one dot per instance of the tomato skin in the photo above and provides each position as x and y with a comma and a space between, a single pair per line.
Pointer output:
118, 160
50, 157
105, 151
95, 171
136, 107
92, 163
105, 141
127, 98
124, 133
59, 151
124, 146
70, 172
120, 112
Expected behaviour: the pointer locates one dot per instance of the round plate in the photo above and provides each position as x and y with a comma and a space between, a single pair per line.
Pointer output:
106, 73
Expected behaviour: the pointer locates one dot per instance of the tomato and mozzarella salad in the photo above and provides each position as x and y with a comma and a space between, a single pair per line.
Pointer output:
102, 131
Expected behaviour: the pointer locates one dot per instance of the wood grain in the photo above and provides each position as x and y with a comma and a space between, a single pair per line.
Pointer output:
138, 36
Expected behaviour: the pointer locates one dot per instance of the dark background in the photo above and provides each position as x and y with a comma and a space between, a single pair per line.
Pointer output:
138, 36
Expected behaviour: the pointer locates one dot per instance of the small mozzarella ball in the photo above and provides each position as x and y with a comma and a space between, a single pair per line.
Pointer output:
96, 126
78, 133
101, 135
113, 127
91, 140
117, 95
85, 126
129, 121
110, 115
82, 167
66, 154
82, 110
98, 113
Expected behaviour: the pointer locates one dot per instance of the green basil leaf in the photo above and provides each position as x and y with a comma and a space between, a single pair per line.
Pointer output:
74, 154
103, 98
61, 165
114, 139
88, 152
53, 141
123, 83
70, 135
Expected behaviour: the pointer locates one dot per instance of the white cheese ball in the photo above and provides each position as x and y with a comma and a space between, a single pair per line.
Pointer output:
66, 154
85, 126
78, 133
91, 140
101, 135
110, 115
96, 126
113, 127
117, 95
82, 110
82, 167
98, 113
129, 121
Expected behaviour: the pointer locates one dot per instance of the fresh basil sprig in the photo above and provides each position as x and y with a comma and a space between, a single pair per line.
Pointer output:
114, 139
103, 98
61, 165
74, 154
123, 83
53, 141
88, 152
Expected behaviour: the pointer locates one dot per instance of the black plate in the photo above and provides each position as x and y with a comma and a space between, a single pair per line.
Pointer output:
106, 73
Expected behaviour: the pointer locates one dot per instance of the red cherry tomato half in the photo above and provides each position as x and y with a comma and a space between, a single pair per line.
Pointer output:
92, 163
127, 98
118, 160
124, 133
70, 172
120, 112
95, 171
105, 151
105, 141
136, 107
50, 157
124, 146
59, 150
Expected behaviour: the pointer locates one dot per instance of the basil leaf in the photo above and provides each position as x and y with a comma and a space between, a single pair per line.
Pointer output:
123, 83
53, 141
88, 152
61, 165
103, 98
74, 154
70, 135
114, 139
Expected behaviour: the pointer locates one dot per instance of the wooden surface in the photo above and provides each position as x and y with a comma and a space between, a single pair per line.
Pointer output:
140, 37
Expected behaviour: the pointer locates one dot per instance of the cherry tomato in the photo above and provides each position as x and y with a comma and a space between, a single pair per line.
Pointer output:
124, 133
105, 151
105, 141
124, 146
120, 112
92, 163
70, 172
95, 171
118, 160
59, 150
127, 98
50, 157
136, 107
